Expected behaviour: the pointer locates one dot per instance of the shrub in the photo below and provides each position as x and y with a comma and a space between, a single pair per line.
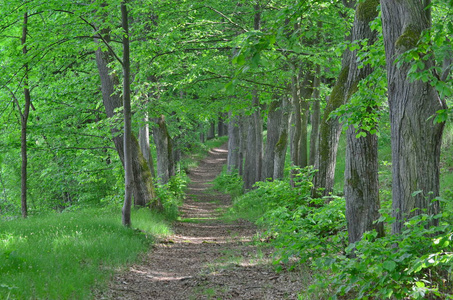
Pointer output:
416, 263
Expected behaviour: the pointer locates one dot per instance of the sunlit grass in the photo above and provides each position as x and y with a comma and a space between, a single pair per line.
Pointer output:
67, 255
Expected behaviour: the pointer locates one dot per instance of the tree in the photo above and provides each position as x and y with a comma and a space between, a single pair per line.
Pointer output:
416, 139
128, 175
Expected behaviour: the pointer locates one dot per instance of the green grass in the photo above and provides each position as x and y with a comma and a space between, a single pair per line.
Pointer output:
66, 255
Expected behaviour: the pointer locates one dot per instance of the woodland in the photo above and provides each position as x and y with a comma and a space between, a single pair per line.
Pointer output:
337, 116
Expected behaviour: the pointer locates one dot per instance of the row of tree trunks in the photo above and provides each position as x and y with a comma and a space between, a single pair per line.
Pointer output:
254, 146
245, 141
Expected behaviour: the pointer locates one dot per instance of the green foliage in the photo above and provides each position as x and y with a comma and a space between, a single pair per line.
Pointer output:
64, 255
231, 184
172, 194
417, 263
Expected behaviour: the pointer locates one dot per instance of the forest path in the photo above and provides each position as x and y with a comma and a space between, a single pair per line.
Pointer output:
206, 258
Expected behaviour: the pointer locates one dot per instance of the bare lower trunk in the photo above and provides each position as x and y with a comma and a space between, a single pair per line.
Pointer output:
211, 131
361, 187
416, 139
233, 144
315, 119
282, 143
243, 128
250, 170
273, 134
143, 140
163, 142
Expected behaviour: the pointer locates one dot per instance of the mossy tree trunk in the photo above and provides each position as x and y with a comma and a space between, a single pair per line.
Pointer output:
361, 183
144, 192
329, 134
416, 138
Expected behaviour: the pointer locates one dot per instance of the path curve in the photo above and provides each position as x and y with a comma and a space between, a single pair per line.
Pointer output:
206, 258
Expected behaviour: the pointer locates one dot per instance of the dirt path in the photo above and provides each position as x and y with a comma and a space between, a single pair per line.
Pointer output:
205, 258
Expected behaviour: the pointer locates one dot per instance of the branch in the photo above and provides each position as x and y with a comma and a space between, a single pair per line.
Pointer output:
96, 30
226, 17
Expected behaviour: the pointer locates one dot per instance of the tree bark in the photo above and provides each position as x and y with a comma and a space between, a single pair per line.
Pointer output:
163, 142
282, 143
24, 120
329, 135
233, 144
251, 153
315, 118
243, 128
273, 134
306, 91
416, 139
361, 182
143, 141
211, 131
128, 175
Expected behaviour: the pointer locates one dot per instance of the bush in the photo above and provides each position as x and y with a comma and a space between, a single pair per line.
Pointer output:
416, 263
229, 184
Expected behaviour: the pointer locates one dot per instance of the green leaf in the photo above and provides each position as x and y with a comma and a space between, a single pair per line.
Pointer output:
389, 265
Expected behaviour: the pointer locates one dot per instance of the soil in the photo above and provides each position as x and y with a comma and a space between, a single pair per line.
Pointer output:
206, 258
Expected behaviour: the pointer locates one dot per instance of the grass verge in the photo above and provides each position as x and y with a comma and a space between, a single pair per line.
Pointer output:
66, 255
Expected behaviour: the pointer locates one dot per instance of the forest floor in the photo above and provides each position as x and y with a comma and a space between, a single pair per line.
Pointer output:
206, 258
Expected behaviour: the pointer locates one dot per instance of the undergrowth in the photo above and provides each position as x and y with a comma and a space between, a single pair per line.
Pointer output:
417, 263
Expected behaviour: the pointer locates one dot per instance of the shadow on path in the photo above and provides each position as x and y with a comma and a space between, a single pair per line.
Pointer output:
205, 258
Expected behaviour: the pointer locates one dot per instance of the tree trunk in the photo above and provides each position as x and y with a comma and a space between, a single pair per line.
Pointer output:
128, 175
251, 153
254, 146
297, 119
143, 141
243, 128
416, 139
259, 140
143, 191
163, 142
273, 134
361, 183
211, 131
282, 143
329, 135
233, 144
306, 91
24, 120
315, 119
